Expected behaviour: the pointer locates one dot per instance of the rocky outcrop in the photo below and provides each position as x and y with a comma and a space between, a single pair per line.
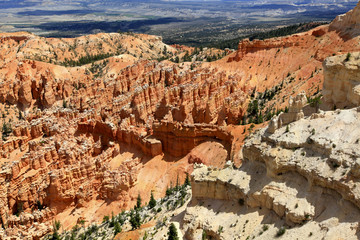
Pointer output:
83, 134
294, 113
300, 178
349, 23
341, 80
230, 184
57, 169
320, 148
121, 84
179, 140
246, 46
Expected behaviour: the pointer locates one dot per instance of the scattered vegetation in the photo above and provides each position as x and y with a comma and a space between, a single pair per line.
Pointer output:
86, 59
265, 227
204, 235
256, 112
39, 205
135, 219
315, 101
220, 229
111, 226
313, 131
57, 225
98, 68
287, 129
138, 202
64, 104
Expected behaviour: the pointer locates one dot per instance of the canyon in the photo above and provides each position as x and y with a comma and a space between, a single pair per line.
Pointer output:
90, 123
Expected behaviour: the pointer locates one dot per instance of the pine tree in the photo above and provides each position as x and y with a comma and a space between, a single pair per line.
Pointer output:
55, 235
138, 202
173, 235
177, 183
152, 202
117, 228
187, 180
135, 220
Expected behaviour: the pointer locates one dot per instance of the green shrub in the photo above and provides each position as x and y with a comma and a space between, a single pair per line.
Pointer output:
281, 231
106, 219
265, 227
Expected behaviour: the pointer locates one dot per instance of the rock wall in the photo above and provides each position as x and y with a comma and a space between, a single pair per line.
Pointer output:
246, 46
119, 84
299, 178
348, 24
341, 80
321, 148
64, 161
178, 140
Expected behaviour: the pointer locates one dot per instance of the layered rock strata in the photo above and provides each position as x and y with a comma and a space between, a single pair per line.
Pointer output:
342, 85
304, 178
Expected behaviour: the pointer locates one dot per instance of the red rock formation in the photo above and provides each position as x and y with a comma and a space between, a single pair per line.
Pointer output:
179, 139
71, 145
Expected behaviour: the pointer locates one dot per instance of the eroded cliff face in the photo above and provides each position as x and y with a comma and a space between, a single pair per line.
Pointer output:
341, 85
80, 139
348, 24
294, 62
300, 173
75, 138
302, 176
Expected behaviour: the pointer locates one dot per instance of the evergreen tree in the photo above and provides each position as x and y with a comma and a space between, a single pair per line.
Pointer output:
138, 202
152, 202
117, 228
187, 180
55, 235
177, 183
260, 118
135, 220
173, 235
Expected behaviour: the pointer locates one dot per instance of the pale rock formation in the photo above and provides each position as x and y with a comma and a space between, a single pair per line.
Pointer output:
305, 178
321, 149
348, 23
295, 113
342, 80
230, 184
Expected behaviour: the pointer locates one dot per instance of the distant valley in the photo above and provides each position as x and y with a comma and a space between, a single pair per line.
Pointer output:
182, 22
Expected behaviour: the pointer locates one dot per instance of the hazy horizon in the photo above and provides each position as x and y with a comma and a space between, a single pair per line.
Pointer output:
200, 21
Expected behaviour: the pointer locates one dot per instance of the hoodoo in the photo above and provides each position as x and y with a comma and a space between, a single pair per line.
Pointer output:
103, 137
